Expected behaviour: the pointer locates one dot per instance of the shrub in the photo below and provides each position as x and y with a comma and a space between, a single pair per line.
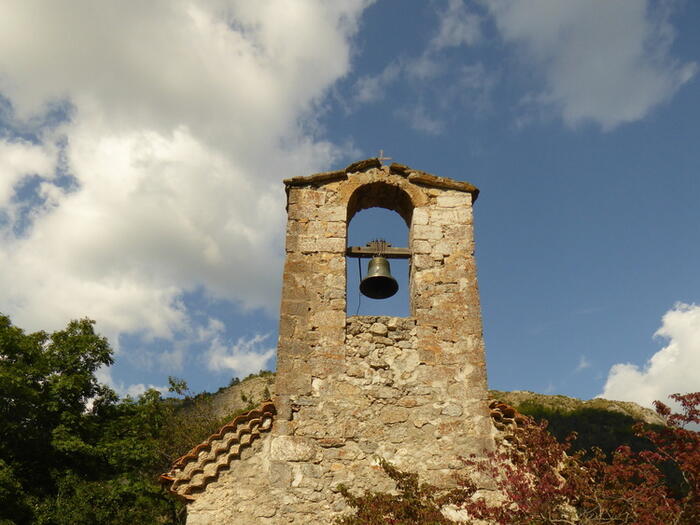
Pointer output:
535, 481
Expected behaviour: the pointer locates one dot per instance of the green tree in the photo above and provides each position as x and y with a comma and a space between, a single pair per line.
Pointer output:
70, 450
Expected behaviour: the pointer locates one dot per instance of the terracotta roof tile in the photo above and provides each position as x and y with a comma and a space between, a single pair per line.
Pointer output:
506, 418
192, 472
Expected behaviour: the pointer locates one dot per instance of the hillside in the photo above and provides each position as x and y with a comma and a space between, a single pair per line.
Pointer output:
597, 422
526, 402
244, 395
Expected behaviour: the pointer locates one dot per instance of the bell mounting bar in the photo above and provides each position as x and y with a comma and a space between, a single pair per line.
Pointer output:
366, 252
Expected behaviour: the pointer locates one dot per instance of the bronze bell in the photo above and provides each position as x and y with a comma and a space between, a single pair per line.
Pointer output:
379, 284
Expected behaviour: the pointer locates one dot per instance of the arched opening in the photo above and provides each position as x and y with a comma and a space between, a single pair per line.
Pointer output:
366, 226
378, 211
381, 195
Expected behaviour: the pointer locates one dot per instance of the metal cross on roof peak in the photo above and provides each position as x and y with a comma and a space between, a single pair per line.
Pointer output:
382, 157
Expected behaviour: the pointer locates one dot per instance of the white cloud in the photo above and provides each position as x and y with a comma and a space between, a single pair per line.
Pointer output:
371, 88
185, 117
673, 369
104, 376
424, 68
173, 358
605, 62
244, 357
19, 159
458, 26
583, 363
473, 88
420, 119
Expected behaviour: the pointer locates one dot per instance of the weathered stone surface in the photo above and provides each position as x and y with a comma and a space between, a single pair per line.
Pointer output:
452, 409
291, 448
378, 329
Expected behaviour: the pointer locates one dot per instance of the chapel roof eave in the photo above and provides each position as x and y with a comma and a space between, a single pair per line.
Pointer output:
415, 176
190, 474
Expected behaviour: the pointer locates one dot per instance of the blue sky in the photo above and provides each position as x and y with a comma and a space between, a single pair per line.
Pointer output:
142, 149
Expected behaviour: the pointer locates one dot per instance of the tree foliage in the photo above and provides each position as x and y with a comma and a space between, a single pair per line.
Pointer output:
70, 450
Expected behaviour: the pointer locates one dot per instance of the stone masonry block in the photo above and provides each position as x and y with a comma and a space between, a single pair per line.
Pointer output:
300, 227
302, 211
287, 325
307, 243
293, 377
293, 196
295, 308
314, 197
458, 232
421, 247
292, 448
330, 244
454, 200
420, 216
449, 216
325, 229
333, 213
295, 266
421, 261
330, 318
427, 232
335, 280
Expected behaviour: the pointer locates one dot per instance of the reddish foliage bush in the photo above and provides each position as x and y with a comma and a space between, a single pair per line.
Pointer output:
534, 482
414, 503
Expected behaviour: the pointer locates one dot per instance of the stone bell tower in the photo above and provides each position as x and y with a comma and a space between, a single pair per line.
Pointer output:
350, 390
412, 390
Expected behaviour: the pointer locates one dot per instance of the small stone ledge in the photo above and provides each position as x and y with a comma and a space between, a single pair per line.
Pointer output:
425, 179
363, 165
316, 178
329, 176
